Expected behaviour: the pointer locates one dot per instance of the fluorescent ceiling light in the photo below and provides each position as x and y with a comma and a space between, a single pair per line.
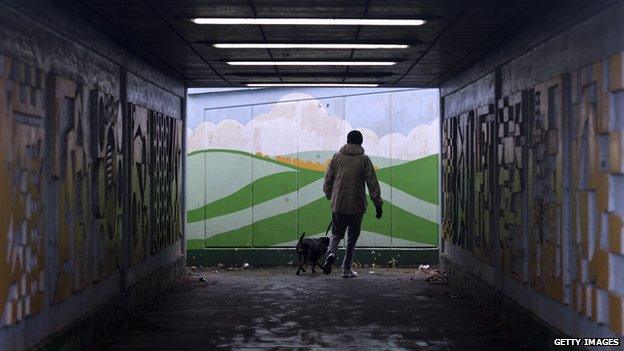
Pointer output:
311, 21
311, 63
353, 85
307, 46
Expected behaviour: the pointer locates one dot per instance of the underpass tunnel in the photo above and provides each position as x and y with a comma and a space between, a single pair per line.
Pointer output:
159, 161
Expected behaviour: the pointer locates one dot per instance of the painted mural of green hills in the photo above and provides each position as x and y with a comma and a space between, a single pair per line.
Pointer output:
261, 190
418, 178
312, 219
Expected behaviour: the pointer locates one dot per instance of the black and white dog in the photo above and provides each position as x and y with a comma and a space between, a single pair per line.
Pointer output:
311, 250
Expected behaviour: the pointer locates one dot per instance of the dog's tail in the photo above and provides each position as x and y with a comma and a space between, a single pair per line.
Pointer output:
301, 237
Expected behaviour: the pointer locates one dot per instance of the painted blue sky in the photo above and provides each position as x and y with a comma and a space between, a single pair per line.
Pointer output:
368, 108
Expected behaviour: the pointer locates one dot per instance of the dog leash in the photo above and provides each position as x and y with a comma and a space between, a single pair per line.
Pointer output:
329, 226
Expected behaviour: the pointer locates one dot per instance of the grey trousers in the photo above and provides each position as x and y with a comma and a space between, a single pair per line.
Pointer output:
340, 223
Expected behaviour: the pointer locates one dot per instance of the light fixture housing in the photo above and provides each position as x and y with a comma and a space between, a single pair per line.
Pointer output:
309, 21
311, 63
346, 85
309, 46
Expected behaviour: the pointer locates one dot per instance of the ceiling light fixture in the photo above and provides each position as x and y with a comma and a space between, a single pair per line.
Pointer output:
309, 21
307, 46
311, 63
351, 85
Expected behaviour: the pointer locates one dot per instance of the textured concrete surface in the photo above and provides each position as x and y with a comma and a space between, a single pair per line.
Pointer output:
274, 309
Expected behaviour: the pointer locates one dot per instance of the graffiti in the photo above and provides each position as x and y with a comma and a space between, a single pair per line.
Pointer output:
22, 141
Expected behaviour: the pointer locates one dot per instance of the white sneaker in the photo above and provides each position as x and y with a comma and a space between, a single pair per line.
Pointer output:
349, 274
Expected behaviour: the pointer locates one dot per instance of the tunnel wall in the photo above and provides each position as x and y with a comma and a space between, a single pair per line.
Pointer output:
532, 168
90, 180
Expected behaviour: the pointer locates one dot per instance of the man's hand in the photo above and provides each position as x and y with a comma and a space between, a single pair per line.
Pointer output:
378, 212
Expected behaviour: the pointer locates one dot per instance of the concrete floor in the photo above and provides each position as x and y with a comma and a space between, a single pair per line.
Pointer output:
390, 309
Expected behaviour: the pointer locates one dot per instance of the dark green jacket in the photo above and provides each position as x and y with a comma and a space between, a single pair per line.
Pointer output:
347, 175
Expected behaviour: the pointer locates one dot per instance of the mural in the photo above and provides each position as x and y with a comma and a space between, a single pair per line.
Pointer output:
22, 141
255, 172
86, 167
69, 166
557, 215
469, 180
140, 220
63, 187
106, 133
597, 191
546, 192
166, 155
511, 161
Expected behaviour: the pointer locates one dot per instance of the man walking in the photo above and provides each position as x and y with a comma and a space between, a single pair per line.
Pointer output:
348, 172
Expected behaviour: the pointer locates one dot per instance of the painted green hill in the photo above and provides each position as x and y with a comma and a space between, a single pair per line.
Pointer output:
232, 171
238, 152
259, 191
313, 218
418, 178
272, 179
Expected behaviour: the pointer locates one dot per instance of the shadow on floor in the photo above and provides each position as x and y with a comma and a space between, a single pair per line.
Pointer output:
388, 309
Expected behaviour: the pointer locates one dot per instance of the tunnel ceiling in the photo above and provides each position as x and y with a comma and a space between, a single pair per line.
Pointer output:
456, 33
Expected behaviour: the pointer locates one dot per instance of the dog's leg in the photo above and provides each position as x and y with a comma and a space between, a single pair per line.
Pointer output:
301, 263
314, 266
309, 259
304, 262
299, 270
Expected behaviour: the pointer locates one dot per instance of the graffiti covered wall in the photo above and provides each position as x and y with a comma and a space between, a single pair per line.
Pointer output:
255, 171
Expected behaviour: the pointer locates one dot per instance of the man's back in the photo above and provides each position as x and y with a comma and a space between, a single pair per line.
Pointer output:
348, 173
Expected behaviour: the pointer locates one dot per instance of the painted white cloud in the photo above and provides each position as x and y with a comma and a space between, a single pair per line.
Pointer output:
290, 127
